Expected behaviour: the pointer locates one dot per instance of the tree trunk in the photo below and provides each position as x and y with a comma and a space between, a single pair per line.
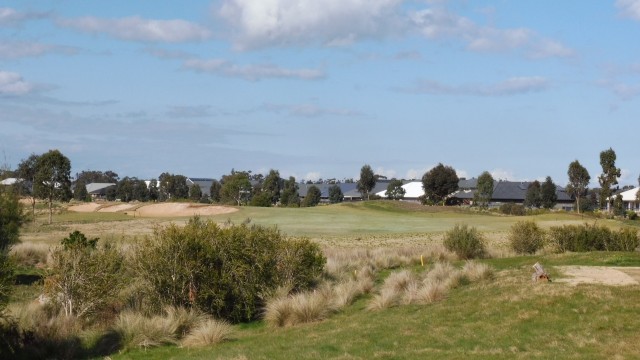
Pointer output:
578, 203
33, 208
50, 210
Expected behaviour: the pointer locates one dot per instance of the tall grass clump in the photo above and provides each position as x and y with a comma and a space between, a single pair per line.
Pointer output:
208, 332
465, 242
526, 237
583, 238
224, 271
30, 254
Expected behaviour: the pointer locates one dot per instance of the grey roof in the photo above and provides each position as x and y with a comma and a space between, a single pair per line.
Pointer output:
95, 188
512, 191
324, 189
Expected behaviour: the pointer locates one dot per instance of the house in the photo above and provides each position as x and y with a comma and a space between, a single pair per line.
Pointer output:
99, 190
629, 200
203, 183
9, 181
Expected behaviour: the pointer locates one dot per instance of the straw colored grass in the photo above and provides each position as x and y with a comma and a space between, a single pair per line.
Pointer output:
208, 332
477, 271
137, 330
30, 254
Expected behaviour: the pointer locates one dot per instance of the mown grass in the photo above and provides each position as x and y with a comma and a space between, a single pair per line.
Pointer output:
508, 317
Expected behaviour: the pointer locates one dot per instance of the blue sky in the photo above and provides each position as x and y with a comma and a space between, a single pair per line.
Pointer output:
317, 88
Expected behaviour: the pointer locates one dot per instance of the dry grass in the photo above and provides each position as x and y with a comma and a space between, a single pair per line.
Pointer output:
476, 271
137, 330
30, 254
208, 332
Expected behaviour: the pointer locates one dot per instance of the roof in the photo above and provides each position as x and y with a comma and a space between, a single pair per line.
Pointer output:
97, 187
413, 190
629, 195
9, 181
512, 190
203, 183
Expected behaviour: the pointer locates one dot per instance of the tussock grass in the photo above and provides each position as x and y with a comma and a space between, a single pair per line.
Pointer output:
30, 253
208, 332
137, 330
477, 271
385, 299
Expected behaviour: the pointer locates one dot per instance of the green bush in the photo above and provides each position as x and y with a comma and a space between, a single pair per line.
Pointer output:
582, 238
84, 278
465, 242
513, 209
262, 199
525, 237
224, 271
632, 215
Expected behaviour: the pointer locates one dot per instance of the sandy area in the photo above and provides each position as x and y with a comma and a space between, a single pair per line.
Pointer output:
617, 276
88, 207
116, 208
181, 209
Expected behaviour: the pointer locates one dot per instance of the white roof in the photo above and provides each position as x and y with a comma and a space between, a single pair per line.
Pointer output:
93, 187
412, 190
9, 181
629, 195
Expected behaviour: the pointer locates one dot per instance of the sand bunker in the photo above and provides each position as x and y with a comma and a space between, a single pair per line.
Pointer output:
116, 208
616, 276
181, 209
88, 207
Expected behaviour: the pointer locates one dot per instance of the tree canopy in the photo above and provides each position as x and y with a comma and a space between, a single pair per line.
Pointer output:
548, 195
578, 181
313, 196
272, 185
367, 181
395, 191
236, 188
484, 192
52, 178
335, 194
438, 183
533, 198
609, 176
290, 196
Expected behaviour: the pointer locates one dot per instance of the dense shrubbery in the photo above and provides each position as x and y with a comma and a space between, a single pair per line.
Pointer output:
513, 209
580, 238
465, 242
525, 237
224, 271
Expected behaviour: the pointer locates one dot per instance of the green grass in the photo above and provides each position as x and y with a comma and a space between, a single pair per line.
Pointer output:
509, 317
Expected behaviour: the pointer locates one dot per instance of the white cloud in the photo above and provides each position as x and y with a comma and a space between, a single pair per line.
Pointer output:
13, 84
438, 24
313, 176
9, 16
629, 8
251, 72
297, 22
15, 49
138, 29
389, 173
510, 86
462, 174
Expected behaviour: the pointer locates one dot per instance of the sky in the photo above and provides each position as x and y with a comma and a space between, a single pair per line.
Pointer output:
318, 88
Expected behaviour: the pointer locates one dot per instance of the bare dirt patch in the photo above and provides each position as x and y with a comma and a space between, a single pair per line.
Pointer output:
181, 209
604, 275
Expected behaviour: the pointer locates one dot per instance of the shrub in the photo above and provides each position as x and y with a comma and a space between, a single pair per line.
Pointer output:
84, 278
227, 272
632, 215
525, 237
513, 209
465, 242
592, 238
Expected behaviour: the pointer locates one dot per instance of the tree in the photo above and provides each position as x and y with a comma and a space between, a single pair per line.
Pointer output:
335, 194
93, 176
290, 196
52, 178
533, 198
214, 191
140, 190
154, 193
236, 188
367, 181
618, 206
195, 193
80, 192
11, 219
578, 181
124, 189
313, 196
27, 175
609, 176
548, 194
272, 185
439, 182
173, 186
484, 193
395, 191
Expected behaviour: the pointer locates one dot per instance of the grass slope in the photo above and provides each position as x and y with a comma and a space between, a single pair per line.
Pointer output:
509, 317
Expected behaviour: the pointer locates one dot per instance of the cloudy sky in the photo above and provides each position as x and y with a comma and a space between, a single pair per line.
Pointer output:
317, 88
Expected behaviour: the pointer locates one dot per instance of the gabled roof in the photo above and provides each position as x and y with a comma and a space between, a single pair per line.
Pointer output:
9, 181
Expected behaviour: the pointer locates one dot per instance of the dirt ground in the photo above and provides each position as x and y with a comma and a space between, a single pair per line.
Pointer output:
616, 276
